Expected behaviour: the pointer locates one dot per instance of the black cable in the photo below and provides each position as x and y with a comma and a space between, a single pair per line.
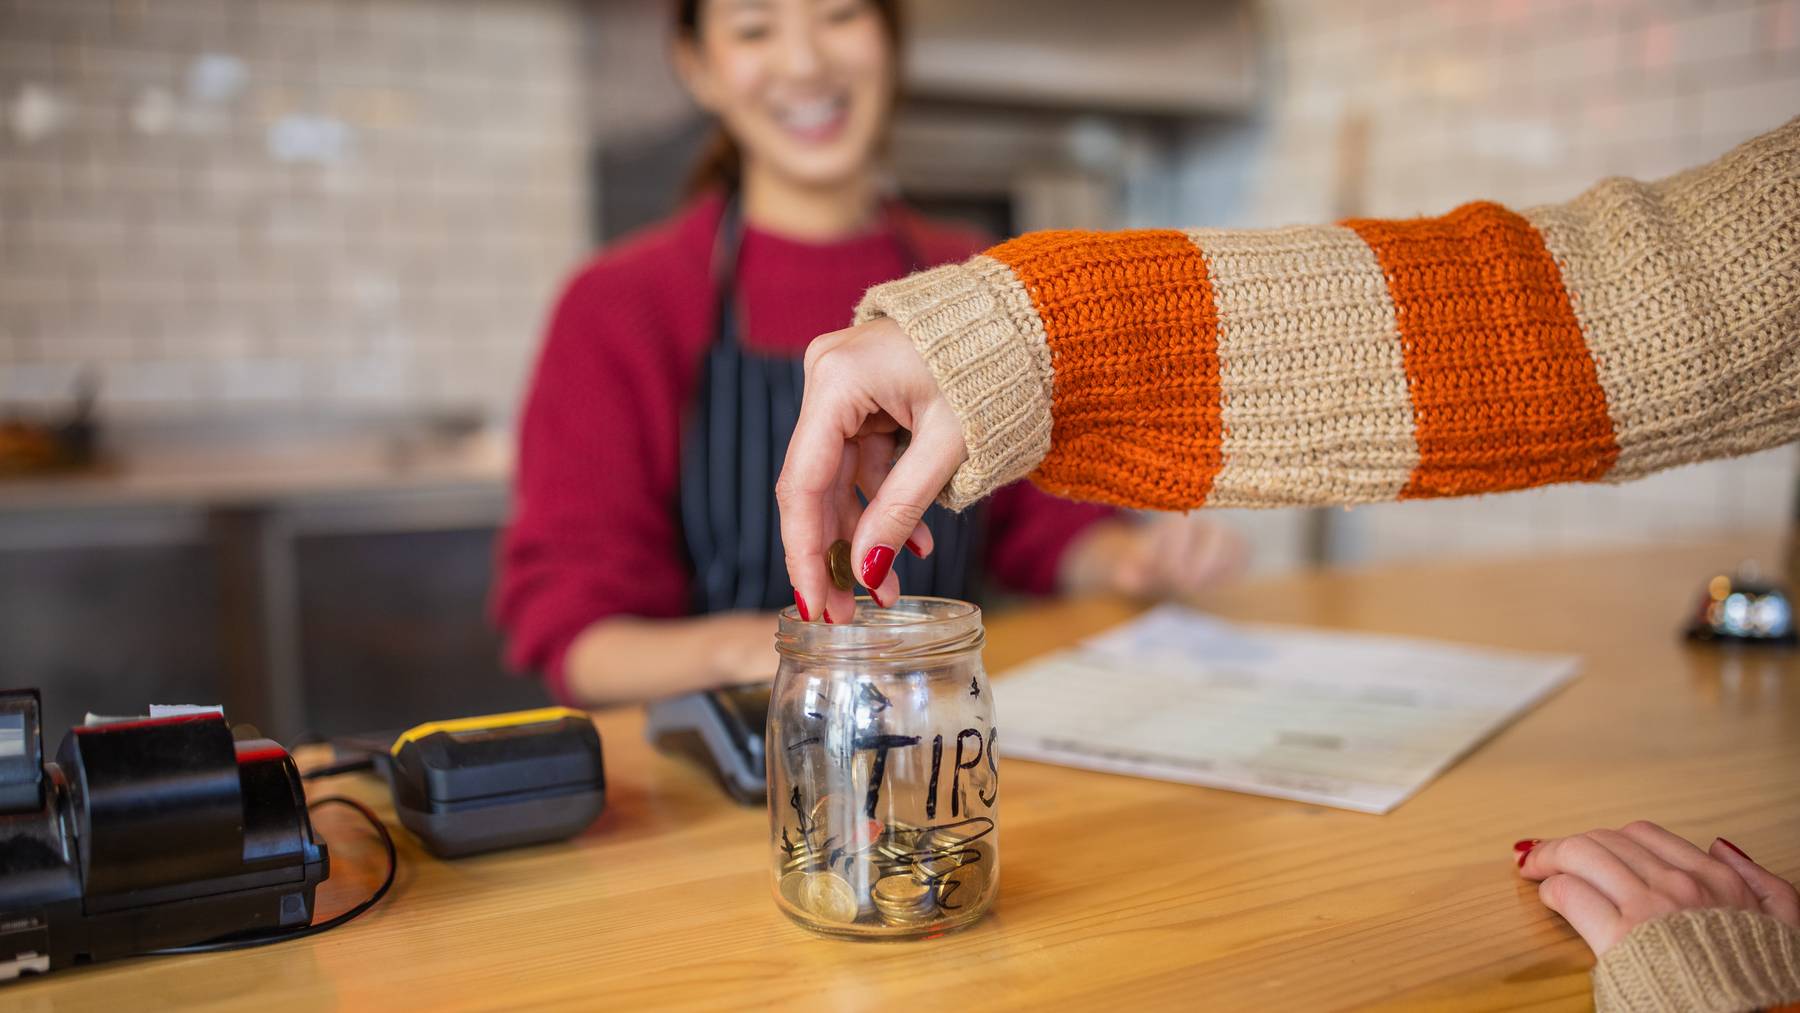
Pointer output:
393, 865
334, 769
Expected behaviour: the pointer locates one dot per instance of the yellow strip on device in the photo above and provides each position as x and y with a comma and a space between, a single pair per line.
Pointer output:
486, 722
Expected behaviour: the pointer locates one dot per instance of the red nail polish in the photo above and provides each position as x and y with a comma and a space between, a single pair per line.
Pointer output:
913, 547
800, 603
1523, 848
875, 566
828, 615
1737, 849
875, 595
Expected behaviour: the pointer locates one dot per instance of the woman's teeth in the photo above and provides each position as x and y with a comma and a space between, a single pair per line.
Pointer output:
810, 116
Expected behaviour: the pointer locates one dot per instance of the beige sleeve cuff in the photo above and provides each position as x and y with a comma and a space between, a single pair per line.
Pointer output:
974, 325
1711, 960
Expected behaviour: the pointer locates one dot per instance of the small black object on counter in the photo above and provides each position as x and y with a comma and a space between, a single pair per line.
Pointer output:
1744, 610
499, 781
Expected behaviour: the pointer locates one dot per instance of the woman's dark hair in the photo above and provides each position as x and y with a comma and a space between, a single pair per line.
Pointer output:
721, 164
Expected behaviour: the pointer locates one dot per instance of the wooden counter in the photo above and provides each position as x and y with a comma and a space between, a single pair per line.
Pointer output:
268, 469
1117, 893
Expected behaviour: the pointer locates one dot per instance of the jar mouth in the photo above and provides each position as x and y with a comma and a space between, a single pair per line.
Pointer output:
911, 629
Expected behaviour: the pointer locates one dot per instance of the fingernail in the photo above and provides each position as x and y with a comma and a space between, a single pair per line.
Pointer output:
913, 547
877, 596
1737, 849
828, 615
800, 603
1523, 848
875, 566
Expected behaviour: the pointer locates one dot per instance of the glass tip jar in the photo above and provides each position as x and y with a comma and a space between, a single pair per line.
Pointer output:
883, 781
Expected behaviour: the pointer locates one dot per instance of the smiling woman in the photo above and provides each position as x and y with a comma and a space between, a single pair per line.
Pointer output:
645, 557
806, 86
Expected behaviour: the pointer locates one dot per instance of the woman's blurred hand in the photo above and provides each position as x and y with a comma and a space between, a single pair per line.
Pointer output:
1608, 882
1164, 556
627, 659
743, 647
863, 386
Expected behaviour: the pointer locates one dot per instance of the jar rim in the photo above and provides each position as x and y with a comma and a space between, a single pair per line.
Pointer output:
920, 628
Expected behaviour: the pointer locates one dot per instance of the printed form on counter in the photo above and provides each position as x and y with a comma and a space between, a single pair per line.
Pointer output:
1351, 720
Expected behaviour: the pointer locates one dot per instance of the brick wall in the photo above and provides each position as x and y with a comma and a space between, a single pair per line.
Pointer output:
316, 204
1521, 101
326, 204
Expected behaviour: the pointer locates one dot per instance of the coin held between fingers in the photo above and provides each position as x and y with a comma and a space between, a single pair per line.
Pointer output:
837, 558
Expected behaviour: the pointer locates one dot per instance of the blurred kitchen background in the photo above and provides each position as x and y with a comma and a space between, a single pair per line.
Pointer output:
280, 267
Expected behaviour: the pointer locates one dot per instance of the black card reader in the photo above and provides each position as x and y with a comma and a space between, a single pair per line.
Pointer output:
720, 729
480, 784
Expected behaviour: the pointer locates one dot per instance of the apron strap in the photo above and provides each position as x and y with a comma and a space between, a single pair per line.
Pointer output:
733, 445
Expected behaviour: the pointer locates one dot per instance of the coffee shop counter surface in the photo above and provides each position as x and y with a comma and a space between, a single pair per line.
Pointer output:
1116, 892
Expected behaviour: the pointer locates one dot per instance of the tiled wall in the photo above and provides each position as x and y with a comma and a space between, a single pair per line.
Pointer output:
328, 204
1521, 101
308, 204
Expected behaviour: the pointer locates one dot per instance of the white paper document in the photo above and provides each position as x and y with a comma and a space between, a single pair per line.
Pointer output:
1341, 719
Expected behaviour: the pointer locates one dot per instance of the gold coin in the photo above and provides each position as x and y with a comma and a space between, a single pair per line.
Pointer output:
962, 889
798, 854
900, 893
906, 903
912, 919
936, 868
790, 887
827, 897
821, 812
838, 558
948, 839
899, 841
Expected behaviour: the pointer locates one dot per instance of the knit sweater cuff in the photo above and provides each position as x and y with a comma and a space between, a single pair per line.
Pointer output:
974, 326
1709, 960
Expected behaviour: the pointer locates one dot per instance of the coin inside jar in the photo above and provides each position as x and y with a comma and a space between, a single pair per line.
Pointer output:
903, 901
826, 896
948, 840
937, 868
790, 887
821, 812
837, 557
900, 891
961, 888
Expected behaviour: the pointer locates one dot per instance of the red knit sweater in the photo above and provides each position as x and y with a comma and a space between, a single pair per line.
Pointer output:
594, 531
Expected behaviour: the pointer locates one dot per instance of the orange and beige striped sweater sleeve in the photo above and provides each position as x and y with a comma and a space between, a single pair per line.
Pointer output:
1637, 327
